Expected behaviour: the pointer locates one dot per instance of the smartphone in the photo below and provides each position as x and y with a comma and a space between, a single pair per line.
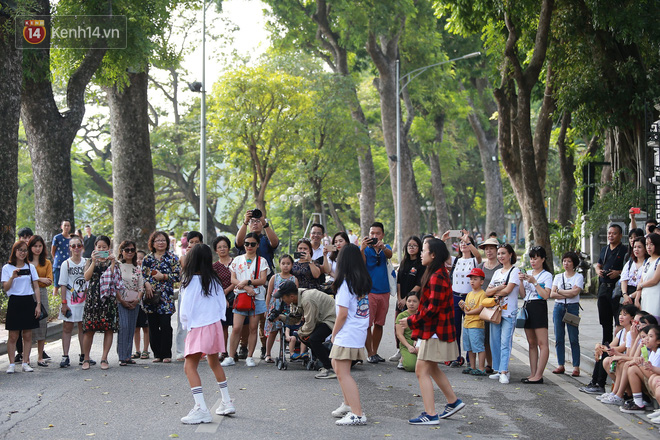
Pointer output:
635, 210
103, 254
298, 255
22, 272
331, 248
455, 233
68, 313
372, 241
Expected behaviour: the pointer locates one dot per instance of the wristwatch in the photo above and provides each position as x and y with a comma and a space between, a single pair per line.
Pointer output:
536, 284
249, 282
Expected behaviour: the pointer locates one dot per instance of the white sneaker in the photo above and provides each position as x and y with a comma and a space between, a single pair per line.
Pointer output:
400, 366
250, 362
196, 416
11, 368
504, 377
228, 362
494, 376
352, 419
341, 411
27, 368
656, 420
396, 356
225, 409
613, 400
654, 414
602, 396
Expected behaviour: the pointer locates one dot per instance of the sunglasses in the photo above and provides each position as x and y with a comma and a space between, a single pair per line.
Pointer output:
131, 250
250, 244
75, 246
535, 248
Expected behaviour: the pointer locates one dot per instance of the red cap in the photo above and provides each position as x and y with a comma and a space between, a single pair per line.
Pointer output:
476, 272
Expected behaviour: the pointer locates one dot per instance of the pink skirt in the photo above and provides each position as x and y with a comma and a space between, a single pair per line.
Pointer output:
208, 339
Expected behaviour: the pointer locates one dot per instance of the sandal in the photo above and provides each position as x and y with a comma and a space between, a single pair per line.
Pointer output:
167, 360
85, 365
157, 360
130, 361
269, 360
144, 355
42, 363
123, 363
478, 372
104, 364
468, 370
136, 355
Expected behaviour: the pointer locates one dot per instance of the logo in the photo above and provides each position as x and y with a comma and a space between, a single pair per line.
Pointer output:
34, 31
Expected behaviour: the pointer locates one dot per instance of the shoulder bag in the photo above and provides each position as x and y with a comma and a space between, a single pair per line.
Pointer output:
494, 313
43, 314
391, 277
243, 301
569, 318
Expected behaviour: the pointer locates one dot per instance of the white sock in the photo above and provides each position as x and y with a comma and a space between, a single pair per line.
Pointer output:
12, 364
198, 395
224, 391
25, 364
637, 397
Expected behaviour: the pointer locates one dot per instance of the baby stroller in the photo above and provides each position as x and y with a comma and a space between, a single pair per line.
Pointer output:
289, 318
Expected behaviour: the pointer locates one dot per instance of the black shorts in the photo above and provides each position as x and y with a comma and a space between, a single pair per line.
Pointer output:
142, 321
537, 314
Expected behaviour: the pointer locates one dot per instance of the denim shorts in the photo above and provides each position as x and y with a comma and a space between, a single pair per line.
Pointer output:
259, 308
473, 339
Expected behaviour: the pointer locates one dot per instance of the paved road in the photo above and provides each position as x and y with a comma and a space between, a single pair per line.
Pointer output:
147, 400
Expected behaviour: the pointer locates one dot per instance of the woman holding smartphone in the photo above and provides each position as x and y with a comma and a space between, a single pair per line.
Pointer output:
304, 269
19, 280
37, 256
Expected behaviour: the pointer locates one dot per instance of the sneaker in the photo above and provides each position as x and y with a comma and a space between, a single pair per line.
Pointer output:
400, 366
27, 368
604, 395
250, 362
341, 411
396, 356
453, 408
656, 421
372, 360
11, 368
325, 373
380, 359
504, 377
294, 357
45, 356
631, 408
425, 419
225, 409
654, 414
196, 416
65, 362
592, 389
263, 353
352, 419
242, 353
613, 400
494, 376
228, 362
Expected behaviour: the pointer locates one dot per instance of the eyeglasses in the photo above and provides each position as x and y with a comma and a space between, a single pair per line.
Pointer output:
75, 246
21, 250
413, 246
250, 244
316, 233
160, 241
131, 250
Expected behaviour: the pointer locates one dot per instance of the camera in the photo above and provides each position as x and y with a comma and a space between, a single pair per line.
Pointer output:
373, 241
256, 213
275, 313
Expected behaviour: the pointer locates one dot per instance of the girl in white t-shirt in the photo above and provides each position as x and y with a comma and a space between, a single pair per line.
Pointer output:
20, 281
203, 307
74, 294
566, 289
505, 286
349, 334
642, 371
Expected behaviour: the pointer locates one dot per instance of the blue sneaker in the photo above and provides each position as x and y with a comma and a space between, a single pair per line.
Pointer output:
452, 408
294, 357
424, 419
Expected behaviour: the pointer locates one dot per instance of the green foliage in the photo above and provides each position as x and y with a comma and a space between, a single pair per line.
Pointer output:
563, 239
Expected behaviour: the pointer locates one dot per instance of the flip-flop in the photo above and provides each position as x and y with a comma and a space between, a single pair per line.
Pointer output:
269, 360
85, 364
156, 360
104, 364
123, 363
167, 360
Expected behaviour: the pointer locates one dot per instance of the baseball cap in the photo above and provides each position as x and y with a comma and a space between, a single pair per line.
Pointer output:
476, 272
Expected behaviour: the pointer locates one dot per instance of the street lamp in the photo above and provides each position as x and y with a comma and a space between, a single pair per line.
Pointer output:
399, 89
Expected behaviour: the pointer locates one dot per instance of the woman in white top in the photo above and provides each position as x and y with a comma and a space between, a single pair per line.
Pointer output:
504, 285
74, 294
339, 240
537, 283
248, 282
647, 296
202, 310
633, 270
566, 289
128, 300
20, 281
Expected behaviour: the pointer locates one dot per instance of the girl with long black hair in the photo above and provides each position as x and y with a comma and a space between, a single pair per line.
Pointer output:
203, 306
349, 334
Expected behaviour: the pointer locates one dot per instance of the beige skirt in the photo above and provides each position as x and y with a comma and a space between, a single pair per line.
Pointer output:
435, 350
347, 354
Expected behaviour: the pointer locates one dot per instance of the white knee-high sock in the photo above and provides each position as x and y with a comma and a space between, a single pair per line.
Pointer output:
224, 391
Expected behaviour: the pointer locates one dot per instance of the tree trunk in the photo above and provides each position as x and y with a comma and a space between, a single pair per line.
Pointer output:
11, 70
132, 169
566, 174
50, 133
437, 187
384, 55
335, 216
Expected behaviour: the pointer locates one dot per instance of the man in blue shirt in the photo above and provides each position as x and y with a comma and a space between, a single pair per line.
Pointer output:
376, 253
60, 252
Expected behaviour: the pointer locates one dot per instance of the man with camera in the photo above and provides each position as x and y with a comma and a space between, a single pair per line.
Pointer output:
608, 269
268, 242
376, 253
318, 309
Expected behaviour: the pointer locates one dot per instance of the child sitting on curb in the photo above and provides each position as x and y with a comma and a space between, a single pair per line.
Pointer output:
406, 343
474, 332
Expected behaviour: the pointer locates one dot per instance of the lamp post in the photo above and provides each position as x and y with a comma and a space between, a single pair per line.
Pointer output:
409, 77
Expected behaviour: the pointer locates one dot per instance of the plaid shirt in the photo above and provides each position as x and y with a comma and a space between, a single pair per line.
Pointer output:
111, 283
436, 310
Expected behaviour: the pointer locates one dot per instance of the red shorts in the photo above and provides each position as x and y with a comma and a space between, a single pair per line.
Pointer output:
379, 303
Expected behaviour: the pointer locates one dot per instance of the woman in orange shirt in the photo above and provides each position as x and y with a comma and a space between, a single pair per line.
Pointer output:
37, 256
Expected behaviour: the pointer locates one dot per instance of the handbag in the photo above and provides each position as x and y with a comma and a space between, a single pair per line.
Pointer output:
244, 302
152, 300
521, 317
130, 295
491, 314
569, 318
391, 277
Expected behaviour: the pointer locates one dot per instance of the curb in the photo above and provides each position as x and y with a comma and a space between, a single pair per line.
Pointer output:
54, 333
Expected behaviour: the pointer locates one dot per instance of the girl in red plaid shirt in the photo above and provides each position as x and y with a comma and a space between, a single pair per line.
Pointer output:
433, 327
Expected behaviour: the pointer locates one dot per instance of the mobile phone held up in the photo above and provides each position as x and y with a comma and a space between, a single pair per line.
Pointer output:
103, 254
635, 210
455, 233
298, 255
22, 272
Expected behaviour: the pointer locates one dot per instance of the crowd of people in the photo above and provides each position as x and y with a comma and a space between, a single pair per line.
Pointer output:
330, 301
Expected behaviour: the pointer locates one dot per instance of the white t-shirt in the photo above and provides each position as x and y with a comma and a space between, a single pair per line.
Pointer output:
353, 333
509, 303
632, 273
198, 310
353, 239
72, 276
317, 253
564, 283
654, 358
22, 285
545, 281
242, 271
460, 282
